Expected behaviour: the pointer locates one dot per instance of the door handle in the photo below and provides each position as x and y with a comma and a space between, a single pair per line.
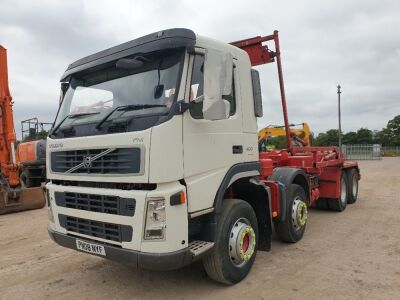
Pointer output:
237, 149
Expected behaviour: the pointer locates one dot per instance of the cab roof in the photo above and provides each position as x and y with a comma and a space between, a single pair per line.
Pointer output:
161, 40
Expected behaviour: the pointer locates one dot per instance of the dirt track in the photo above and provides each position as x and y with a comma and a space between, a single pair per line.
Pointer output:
354, 254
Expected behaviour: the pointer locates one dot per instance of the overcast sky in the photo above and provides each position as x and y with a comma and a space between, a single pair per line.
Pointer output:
323, 43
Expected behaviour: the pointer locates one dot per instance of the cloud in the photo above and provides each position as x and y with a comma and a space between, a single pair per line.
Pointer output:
354, 43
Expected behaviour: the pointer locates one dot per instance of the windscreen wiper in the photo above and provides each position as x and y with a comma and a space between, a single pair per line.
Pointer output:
70, 116
126, 108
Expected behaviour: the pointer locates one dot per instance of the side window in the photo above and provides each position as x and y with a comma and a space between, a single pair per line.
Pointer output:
197, 86
197, 89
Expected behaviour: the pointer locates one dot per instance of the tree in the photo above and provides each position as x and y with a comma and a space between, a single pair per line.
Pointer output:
391, 134
377, 137
350, 138
329, 138
364, 136
42, 135
276, 142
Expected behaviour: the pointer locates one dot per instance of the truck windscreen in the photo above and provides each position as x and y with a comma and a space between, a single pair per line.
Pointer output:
92, 96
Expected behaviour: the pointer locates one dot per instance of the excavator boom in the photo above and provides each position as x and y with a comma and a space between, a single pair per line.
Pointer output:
8, 159
13, 195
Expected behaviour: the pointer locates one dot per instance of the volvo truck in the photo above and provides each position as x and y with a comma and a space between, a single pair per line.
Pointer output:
153, 158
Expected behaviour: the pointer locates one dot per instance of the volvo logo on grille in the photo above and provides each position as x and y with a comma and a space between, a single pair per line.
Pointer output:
87, 162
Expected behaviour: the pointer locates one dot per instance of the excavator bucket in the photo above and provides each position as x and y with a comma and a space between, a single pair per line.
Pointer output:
27, 198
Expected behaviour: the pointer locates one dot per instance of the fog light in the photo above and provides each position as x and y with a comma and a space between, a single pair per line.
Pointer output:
155, 219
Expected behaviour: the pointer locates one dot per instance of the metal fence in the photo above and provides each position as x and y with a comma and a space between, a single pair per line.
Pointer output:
390, 151
361, 152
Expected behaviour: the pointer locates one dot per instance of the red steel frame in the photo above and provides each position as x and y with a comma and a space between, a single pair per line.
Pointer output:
260, 54
326, 163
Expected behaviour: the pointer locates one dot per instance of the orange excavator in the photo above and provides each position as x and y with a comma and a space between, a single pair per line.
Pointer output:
15, 193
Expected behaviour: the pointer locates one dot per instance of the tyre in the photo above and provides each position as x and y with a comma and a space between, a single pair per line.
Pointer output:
292, 229
352, 178
340, 203
236, 243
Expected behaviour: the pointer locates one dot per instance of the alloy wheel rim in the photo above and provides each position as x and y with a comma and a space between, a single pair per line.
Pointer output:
242, 242
299, 213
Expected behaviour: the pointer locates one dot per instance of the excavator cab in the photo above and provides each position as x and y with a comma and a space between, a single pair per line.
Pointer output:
32, 151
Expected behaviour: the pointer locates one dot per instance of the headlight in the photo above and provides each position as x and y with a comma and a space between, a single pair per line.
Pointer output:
155, 219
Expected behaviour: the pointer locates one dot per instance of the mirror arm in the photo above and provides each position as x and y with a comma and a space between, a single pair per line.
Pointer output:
198, 99
227, 97
183, 106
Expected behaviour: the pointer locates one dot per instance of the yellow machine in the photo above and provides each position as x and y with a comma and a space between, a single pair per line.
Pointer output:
300, 137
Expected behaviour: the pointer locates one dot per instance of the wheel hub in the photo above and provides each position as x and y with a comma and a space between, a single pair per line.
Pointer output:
299, 213
242, 242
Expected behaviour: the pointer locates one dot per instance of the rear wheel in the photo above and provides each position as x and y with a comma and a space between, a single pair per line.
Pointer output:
340, 203
352, 177
236, 243
292, 229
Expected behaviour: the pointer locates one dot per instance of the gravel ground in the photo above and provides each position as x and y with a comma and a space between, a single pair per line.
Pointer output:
354, 254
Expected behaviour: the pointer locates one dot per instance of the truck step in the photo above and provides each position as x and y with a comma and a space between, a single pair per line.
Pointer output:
200, 247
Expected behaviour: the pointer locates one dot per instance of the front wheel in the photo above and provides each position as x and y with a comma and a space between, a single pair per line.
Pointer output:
292, 229
236, 243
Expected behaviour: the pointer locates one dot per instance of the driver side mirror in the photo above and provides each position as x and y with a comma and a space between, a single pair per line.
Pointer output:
218, 70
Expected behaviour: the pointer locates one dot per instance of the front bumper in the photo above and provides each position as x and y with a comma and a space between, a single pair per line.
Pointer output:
137, 259
176, 235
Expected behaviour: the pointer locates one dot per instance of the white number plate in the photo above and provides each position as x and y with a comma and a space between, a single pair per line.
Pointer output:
90, 247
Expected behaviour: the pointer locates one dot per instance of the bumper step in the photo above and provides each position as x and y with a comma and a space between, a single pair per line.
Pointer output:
198, 248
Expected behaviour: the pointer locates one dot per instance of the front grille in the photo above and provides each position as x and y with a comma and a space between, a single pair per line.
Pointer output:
97, 203
107, 231
116, 161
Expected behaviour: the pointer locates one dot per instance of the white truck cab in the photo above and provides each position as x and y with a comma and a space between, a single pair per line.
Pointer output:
148, 139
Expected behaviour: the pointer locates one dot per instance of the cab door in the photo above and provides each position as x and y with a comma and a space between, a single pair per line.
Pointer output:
210, 147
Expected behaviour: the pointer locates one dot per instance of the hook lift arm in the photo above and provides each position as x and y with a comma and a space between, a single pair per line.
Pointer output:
260, 54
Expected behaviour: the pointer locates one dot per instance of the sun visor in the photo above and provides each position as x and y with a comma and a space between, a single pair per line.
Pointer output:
162, 40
